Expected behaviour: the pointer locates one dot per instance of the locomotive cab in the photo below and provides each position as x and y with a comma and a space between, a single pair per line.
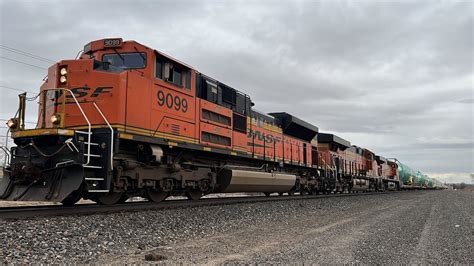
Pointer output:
79, 106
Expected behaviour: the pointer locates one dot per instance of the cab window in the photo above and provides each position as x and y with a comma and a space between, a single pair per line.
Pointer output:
172, 72
126, 60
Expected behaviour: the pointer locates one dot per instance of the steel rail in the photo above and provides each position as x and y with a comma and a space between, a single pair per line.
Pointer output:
23, 212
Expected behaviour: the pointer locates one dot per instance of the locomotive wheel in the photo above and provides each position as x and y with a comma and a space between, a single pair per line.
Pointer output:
280, 193
109, 198
194, 194
156, 195
267, 194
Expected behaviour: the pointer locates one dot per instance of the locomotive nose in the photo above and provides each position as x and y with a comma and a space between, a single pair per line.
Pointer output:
42, 168
27, 172
31, 184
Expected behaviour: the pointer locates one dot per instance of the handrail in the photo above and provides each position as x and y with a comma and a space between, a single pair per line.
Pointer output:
6, 147
83, 114
89, 127
7, 155
111, 136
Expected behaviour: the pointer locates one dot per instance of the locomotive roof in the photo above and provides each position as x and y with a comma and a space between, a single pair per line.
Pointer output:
368, 154
101, 44
164, 55
265, 117
173, 59
331, 138
296, 127
380, 159
358, 149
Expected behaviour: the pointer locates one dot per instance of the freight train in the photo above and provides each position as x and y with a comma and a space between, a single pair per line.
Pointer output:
126, 120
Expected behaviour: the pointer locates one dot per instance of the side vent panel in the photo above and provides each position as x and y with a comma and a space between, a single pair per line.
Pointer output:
215, 117
216, 139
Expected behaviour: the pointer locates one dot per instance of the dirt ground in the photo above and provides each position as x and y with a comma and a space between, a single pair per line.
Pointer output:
413, 227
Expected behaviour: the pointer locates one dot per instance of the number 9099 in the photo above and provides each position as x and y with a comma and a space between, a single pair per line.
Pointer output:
172, 102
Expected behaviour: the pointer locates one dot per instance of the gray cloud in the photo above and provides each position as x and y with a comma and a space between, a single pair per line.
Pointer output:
396, 77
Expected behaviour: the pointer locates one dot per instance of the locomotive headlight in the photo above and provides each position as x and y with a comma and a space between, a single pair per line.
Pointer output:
63, 71
55, 119
63, 79
12, 123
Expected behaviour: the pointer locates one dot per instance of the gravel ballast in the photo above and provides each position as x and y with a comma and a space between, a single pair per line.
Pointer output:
407, 227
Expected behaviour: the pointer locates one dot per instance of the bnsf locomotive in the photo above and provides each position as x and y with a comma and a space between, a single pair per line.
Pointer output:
126, 120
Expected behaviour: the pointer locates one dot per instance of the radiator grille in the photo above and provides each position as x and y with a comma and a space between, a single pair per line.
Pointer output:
209, 115
217, 139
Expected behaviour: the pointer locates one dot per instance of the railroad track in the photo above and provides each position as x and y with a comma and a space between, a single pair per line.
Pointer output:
85, 209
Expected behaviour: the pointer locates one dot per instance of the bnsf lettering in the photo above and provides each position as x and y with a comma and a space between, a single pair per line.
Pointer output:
268, 138
100, 90
172, 102
80, 92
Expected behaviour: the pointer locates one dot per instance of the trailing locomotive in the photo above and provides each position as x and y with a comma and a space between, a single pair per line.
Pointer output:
126, 120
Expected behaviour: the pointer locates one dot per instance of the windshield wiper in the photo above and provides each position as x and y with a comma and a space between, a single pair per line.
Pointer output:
141, 55
121, 56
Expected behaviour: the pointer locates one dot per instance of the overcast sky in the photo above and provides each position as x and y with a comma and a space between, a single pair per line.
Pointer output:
395, 77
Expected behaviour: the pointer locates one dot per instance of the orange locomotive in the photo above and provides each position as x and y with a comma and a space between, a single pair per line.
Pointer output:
350, 168
126, 120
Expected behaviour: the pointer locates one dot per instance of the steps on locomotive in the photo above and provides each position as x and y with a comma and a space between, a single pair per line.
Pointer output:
96, 170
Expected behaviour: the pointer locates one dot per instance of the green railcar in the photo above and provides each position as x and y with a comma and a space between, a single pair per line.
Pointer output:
408, 176
419, 180
427, 182
430, 182
413, 178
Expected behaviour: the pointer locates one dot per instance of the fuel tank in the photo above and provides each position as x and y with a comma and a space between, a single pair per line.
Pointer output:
360, 184
391, 186
233, 180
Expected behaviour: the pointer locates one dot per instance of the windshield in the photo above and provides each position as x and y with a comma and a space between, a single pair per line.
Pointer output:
126, 60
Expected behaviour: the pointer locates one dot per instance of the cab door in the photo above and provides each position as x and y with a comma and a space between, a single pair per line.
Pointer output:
173, 104
137, 112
